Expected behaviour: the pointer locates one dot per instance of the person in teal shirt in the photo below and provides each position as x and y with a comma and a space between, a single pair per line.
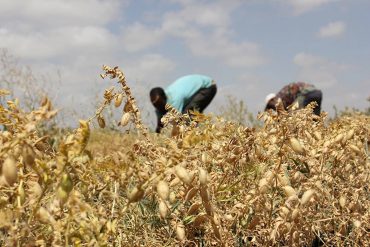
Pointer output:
191, 92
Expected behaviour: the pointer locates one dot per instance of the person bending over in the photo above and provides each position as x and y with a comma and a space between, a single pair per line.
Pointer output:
300, 92
191, 92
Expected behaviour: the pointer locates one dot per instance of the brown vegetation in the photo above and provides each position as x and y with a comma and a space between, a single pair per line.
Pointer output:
292, 182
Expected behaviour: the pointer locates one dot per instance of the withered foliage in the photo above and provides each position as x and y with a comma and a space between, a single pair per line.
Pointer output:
296, 181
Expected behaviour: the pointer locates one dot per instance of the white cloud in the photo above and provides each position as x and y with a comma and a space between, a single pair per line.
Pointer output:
139, 37
212, 14
61, 42
303, 6
333, 29
58, 29
220, 47
308, 60
318, 70
148, 66
54, 13
205, 29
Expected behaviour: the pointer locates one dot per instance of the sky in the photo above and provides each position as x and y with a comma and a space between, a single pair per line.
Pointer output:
249, 47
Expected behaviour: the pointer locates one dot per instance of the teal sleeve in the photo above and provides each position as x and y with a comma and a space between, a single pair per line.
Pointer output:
179, 92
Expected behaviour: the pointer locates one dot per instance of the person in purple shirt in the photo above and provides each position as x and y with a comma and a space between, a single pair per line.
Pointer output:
191, 92
300, 92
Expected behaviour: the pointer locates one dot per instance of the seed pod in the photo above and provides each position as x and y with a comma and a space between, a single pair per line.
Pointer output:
183, 175
3, 181
342, 201
172, 197
202, 177
194, 208
298, 176
21, 193
200, 219
175, 130
308, 134
163, 210
34, 191
357, 223
307, 196
66, 183
43, 215
359, 144
269, 177
338, 138
248, 198
163, 190
162, 161
286, 228
263, 185
41, 146
295, 238
317, 135
204, 194
254, 222
128, 107
354, 207
348, 167
228, 217
17, 151
62, 195
10, 171
326, 143
205, 158
216, 231
283, 180
205, 200
350, 134
101, 122
284, 211
118, 100
208, 207
296, 145
144, 175
342, 229
182, 129
28, 155
125, 119
289, 191
191, 193
295, 214
318, 185
135, 195
6, 135
180, 232
175, 182
355, 148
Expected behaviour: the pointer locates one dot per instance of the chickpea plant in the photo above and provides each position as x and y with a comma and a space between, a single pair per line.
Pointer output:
205, 181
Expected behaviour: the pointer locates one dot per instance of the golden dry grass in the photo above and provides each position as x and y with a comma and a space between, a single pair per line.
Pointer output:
293, 182
103, 142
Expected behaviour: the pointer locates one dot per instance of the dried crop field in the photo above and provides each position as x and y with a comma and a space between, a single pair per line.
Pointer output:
295, 181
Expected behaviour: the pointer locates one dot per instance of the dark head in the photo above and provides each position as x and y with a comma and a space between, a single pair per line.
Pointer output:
270, 101
158, 98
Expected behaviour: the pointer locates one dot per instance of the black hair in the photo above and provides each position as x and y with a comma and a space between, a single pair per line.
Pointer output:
157, 92
270, 106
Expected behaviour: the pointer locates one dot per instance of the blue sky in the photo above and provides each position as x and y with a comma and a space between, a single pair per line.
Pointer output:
250, 47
